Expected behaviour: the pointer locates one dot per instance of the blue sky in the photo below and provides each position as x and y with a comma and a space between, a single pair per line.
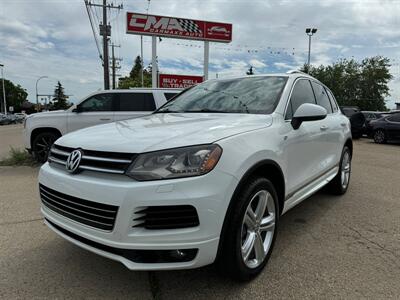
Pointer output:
54, 38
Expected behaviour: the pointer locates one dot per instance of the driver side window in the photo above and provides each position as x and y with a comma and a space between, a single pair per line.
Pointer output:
101, 102
302, 93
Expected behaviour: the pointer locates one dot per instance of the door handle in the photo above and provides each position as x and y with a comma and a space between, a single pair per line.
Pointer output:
343, 124
105, 119
324, 127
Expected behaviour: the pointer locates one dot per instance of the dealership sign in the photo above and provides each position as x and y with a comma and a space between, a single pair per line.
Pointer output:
143, 24
178, 81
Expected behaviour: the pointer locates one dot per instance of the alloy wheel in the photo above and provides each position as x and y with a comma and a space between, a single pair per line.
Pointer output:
258, 228
379, 136
345, 169
42, 147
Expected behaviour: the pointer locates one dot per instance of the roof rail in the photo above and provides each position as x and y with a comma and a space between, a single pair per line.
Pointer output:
295, 71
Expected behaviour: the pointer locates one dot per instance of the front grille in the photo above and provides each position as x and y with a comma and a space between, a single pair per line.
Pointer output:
166, 217
100, 161
97, 215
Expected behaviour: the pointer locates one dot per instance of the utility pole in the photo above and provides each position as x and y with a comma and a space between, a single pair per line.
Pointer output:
105, 47
105, 32
114, 65
4, 89
141, 59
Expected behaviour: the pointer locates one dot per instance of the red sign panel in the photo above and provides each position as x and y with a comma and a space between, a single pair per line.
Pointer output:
178, 81
178, 28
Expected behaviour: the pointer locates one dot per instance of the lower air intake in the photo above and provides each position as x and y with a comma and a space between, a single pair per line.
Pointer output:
166, 217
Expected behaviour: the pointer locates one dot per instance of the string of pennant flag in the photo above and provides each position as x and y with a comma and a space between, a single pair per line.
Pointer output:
291, 51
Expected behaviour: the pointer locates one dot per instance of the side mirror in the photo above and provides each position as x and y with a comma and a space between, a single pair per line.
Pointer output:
308, 112
77, 109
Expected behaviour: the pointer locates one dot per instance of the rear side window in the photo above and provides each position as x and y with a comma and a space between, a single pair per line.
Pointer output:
302, 93
322, 97
169, 96
394, 118
136, 102
333, 101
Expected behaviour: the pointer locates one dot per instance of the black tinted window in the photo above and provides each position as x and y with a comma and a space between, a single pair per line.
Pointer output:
302, 93
322, 97
394, 118
169, 96
136, 102
101, 102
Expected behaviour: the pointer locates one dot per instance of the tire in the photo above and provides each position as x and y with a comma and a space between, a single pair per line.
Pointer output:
380, 136
241, 229
340, 183
41, 145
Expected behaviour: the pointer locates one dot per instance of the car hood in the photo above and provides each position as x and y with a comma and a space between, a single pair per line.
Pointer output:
163, 131
45, 114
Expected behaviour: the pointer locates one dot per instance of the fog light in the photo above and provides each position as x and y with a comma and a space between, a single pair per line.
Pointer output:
182, 254
178, 254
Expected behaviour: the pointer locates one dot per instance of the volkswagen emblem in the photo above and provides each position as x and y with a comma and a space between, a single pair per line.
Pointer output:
73, 161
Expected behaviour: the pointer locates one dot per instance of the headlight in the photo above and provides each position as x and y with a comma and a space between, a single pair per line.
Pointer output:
175, 163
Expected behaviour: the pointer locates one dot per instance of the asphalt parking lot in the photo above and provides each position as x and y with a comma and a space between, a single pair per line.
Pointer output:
10, 136
327, 247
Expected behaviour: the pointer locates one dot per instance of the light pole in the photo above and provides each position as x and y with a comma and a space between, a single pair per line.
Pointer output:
4, 89
37, 96
310, 32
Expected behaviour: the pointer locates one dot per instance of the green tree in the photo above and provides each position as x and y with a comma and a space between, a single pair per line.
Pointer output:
134, 79
363, 84
374, 87
15, 95
59, 98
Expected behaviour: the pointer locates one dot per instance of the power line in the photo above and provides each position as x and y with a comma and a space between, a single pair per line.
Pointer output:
93, 29
105, 32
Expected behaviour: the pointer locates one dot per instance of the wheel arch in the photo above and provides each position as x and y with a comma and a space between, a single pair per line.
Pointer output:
269, 169
349, 143
35, 132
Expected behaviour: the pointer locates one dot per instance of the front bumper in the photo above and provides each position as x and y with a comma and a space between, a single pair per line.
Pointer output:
26, 138
209, 194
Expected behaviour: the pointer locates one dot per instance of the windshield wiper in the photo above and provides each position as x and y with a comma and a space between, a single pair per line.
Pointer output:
205, 110
166, 111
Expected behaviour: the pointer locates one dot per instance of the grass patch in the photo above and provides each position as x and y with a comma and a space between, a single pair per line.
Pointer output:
18, 157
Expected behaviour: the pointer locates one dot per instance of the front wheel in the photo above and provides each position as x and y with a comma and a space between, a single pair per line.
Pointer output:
340, 183
250, 234
41, 145
379, 136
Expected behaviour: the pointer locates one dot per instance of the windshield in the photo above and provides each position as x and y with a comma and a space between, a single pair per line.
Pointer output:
255, 95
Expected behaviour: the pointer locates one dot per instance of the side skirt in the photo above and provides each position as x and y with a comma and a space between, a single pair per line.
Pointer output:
310, 189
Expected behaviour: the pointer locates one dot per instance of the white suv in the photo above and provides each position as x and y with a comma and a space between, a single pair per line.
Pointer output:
203, 179
42, 129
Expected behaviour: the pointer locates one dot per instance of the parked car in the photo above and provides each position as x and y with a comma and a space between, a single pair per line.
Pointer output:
203, 179
20, 117
370, 116
357, 120
42, 129
6, 119
386, 128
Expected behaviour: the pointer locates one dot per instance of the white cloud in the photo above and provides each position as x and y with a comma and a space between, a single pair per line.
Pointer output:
257, 63
282, 65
